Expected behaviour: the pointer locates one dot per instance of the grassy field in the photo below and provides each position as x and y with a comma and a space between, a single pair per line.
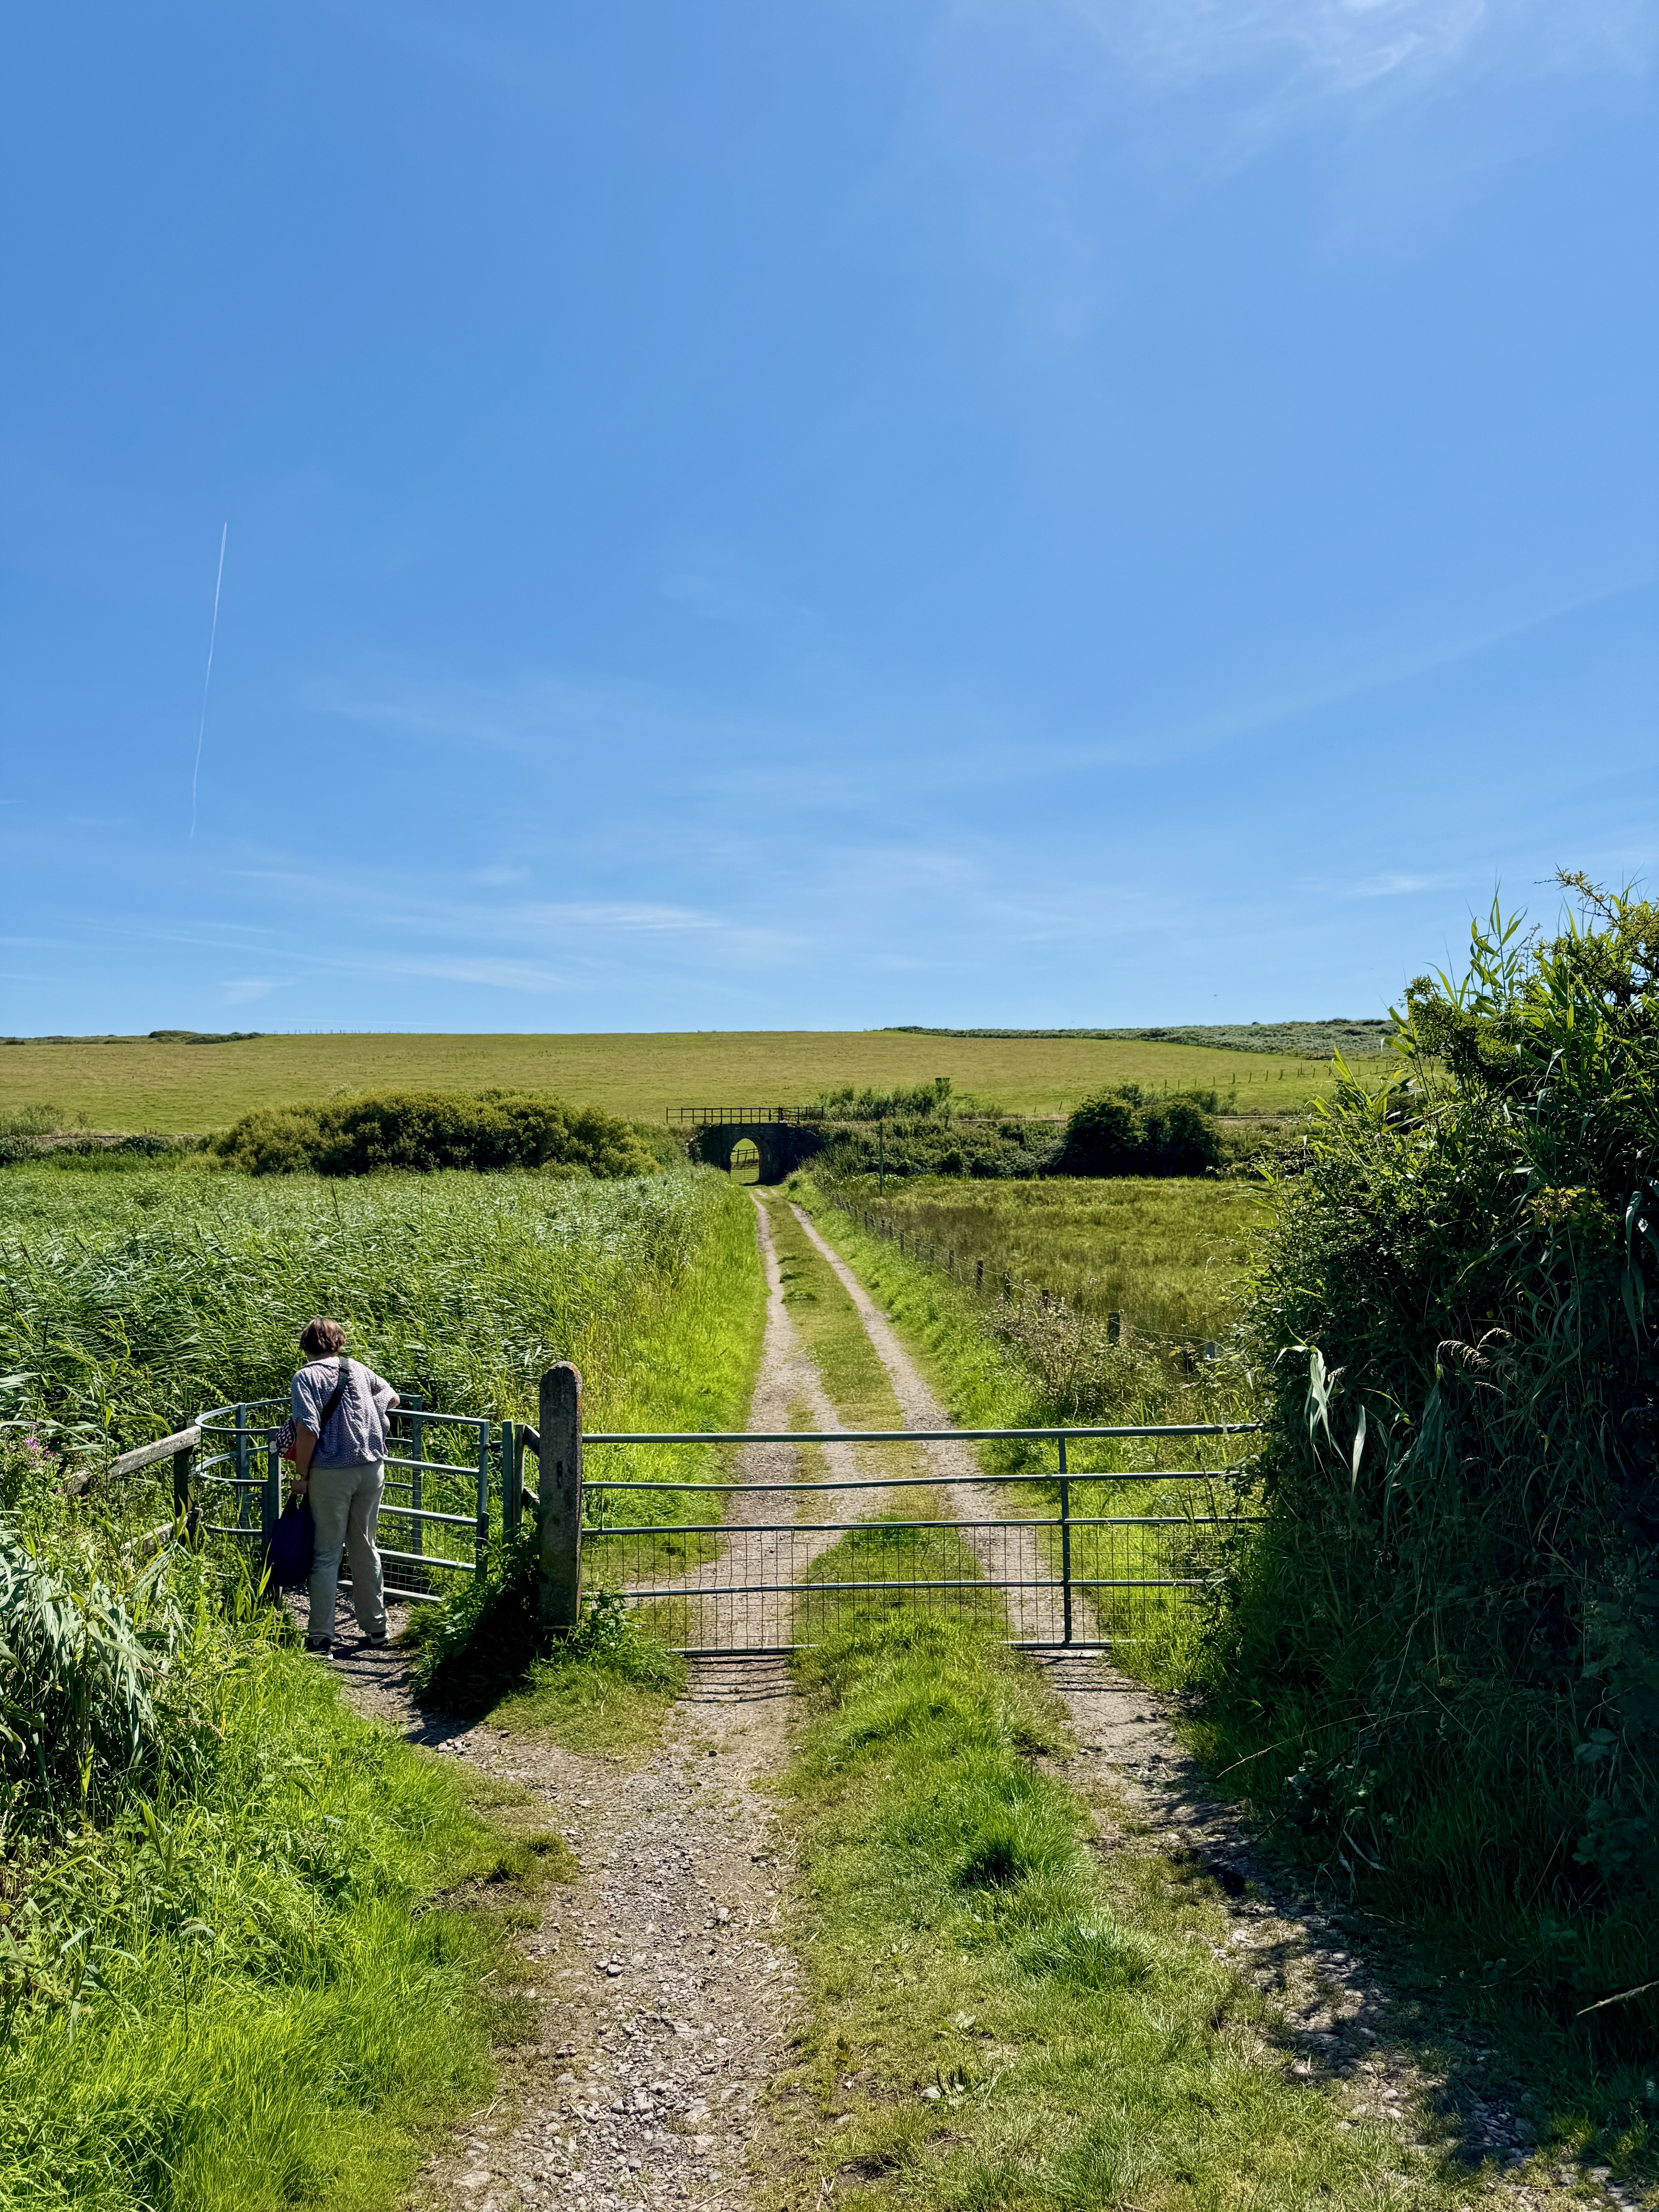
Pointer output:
239, 1967
136, 1085
241, 1961
1166, 1253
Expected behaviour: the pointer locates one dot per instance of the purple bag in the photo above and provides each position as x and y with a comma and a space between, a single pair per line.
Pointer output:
293, 1544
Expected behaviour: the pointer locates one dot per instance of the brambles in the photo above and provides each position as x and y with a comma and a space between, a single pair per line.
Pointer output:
423, 1131
905, 1148
937, 1101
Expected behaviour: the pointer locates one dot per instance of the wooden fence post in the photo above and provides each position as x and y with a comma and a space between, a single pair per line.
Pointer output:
561, 1493
184, 1464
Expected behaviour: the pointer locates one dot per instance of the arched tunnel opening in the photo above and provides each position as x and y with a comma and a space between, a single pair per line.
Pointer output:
744, 1164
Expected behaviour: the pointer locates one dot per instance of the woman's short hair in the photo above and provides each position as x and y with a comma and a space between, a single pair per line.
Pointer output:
321, 1338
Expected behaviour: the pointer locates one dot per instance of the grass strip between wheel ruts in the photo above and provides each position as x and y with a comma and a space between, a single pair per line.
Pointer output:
1000, 2016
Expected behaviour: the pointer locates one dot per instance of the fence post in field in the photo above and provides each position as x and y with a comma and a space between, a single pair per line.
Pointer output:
560, 1492
1007, 1287
1114, 1328
979, 1274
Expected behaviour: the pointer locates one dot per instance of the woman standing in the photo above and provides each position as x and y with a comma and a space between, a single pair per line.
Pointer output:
339, 1409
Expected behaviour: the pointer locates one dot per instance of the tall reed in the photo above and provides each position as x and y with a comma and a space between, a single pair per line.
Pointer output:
1440, 1654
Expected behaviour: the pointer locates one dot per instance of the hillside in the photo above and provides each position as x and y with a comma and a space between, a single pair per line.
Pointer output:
172, 1083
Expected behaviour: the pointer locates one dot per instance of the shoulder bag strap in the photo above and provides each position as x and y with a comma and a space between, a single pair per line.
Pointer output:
334, 1398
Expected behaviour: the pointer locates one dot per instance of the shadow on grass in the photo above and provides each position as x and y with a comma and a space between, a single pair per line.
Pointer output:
606, 1685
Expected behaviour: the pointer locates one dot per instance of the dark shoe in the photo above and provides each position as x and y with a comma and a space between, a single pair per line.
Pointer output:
321, 1646
378, 1642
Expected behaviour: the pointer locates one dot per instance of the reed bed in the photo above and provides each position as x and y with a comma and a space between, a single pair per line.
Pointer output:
239, 1969
127, 1304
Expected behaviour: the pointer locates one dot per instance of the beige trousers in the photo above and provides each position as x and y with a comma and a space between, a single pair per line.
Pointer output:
345, 1504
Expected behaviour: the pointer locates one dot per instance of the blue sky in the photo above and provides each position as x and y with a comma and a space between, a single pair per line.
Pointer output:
776, 515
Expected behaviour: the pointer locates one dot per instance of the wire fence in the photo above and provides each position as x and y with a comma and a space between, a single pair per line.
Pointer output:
981, 1276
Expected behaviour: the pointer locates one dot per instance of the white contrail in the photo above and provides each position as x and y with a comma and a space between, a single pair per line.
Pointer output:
206, 680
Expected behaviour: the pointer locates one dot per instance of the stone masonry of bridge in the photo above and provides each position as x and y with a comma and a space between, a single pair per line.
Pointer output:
782, 1146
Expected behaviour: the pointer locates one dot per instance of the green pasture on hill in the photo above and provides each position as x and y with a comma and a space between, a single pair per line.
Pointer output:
137, 1083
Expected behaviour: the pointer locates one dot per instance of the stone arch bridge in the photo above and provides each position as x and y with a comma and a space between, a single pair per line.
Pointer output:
784, 1136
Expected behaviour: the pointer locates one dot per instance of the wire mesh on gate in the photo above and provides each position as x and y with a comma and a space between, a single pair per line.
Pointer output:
786, 1563
823, 1552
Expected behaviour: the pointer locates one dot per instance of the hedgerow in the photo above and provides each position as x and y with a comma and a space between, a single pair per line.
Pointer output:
1440, 1652
423, 1131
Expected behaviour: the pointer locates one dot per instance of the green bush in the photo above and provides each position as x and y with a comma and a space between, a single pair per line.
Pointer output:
1442, 1650
1126, 1131
939, 1148
424, 1131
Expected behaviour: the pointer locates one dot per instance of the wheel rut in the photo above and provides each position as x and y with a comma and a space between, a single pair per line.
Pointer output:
661, 1992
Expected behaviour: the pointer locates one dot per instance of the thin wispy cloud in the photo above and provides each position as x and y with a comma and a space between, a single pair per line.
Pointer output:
1071, 129
1337, 47
490, 974
1397, 886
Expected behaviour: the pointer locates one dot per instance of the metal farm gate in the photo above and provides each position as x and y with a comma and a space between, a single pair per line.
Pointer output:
761, 1558
788, 1559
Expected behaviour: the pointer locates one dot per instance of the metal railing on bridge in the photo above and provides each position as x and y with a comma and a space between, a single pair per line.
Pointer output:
735, 1117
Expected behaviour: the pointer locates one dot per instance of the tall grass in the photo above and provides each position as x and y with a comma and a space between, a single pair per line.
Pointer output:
1017, 1365
132, 1303
1168, 1254
229, 1978
225, 1979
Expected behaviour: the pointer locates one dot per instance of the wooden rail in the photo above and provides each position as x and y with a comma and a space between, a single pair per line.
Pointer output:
147, 1455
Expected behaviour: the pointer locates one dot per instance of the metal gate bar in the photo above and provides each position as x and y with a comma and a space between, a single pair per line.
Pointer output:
741, 1585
